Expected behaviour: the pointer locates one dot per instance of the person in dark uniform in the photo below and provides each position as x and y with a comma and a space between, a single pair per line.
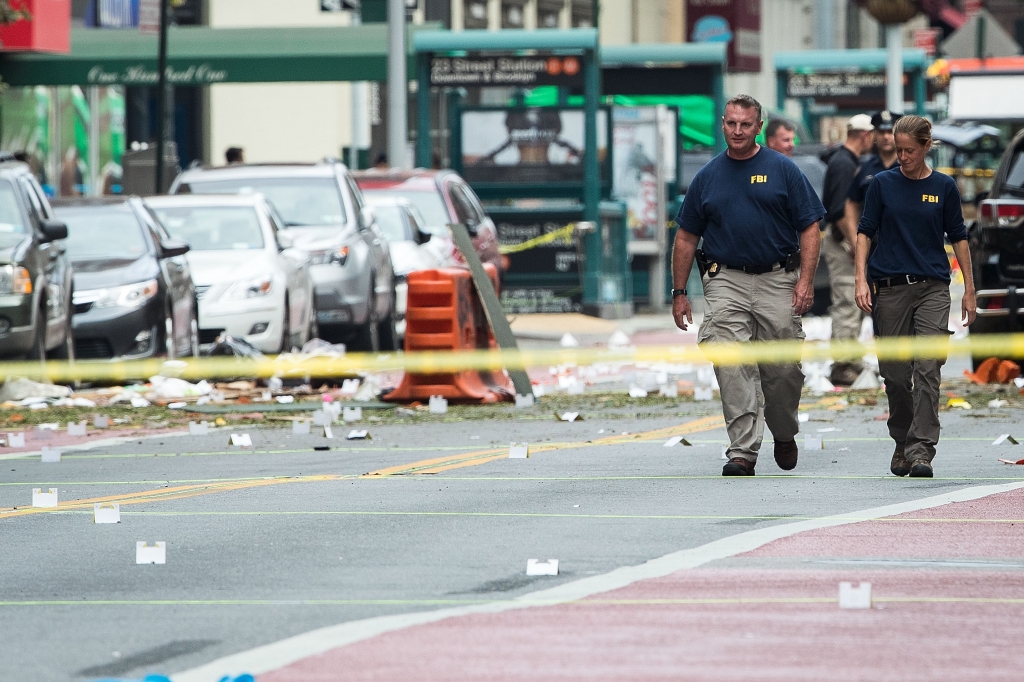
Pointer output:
758, 217
883, 158
910, 210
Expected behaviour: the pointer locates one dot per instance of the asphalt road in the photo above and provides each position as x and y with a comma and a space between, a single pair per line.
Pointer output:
277, 540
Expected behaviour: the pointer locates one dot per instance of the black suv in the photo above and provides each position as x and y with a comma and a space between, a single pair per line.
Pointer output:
35, 275
997, 247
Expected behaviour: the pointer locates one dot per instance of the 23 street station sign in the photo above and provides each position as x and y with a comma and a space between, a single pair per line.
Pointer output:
477, 70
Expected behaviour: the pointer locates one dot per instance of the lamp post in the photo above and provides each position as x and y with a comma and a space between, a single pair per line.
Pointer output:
891, 14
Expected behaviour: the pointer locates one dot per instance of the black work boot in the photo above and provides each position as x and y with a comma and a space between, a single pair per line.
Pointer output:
785, 454
921, 468
899, 465
737, 466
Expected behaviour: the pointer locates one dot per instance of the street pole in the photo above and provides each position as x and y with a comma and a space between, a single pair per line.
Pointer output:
398, 87
358, 108
161, 98
894, 68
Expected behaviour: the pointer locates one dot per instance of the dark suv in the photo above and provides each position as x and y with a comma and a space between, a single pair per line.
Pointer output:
997, 247
35, 276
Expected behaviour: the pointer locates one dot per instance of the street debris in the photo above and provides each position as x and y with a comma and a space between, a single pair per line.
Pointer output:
995, 404
637, 392
676, 440
851, 597
569, 341
44, 500
225, 344
106, 512
358, 435
438, 405
959, 403
50, 455
1005, 438
241, 440
518, 450
803, 417
18, 389
1010, 461
994, 371
668, 390
150, 554
16, 439
569, 416
536, 567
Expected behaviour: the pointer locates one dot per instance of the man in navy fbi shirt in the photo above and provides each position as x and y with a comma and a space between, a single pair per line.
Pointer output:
758, 217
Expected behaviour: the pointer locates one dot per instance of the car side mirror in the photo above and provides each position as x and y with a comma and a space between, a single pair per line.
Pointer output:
368, 215
169, 248
422, 237
284, 241
54, 230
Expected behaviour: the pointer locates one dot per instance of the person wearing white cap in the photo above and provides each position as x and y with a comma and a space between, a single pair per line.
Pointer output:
837, 249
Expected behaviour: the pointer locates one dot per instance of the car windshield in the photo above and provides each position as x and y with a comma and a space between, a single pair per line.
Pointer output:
302, 202
430, 205
392, 223
102, 232
213, 228
12, 222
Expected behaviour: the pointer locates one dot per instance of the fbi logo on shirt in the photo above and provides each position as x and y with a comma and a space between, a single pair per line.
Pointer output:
930, 198
758, 179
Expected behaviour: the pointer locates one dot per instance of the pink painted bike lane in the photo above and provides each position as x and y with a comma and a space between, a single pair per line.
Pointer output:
948, 587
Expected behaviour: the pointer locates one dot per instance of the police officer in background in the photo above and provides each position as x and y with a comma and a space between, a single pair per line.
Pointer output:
837, 246
883, 159
758, 217
780, 135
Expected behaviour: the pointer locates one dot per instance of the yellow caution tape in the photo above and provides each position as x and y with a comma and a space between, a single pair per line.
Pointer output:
561, 233
438, 362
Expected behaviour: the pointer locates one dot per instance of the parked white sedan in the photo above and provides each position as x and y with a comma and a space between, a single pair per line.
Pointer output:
250, 282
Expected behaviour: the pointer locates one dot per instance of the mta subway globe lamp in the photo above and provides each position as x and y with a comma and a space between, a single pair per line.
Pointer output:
892, 13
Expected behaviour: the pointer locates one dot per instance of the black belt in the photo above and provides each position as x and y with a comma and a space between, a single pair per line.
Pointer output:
897, 280
756, 269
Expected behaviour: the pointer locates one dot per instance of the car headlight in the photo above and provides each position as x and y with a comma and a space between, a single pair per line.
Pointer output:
127, 296
250, 288
335, 256
15, 280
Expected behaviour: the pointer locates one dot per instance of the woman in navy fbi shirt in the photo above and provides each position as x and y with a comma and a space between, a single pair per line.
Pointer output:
909, 210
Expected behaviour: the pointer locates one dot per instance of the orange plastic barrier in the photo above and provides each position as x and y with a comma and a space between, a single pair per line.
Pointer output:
444, 313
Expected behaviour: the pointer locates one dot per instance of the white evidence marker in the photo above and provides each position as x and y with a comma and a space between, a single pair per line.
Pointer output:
300, 427
150, 554
676, 440
349, 387
851, 597
16, 440
669, 391
537, 567
106, 512
637, 392
241, 440
200, 429
333, 410
569, 416
438, 405
703, 393
357, 435
813, 442
49, 455
321, 418
76, 429
101, 421
44, 500
524, 400
42, 432
328, 433
1005, 438
538, 391
518, 450
577, 388
803, 417
352, 414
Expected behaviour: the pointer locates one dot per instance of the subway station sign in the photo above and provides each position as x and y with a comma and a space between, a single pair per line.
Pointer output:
475, 70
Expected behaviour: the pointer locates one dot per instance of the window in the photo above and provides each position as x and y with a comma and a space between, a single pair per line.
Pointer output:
214, 228
464, 211
1015, 177
13, 226
109, 232
549, 12
512, 14
302, 202
475, 14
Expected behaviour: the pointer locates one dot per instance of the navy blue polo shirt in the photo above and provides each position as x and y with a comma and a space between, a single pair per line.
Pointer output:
749, 212
910, 218
870, 166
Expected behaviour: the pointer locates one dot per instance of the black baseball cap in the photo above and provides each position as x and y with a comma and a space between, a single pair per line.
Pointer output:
884, 120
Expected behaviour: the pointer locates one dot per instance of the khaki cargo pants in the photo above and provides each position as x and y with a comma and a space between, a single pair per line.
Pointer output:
913, 387
846, 316
740, 308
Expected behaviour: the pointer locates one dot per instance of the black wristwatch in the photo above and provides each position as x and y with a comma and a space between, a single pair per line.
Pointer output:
678, 292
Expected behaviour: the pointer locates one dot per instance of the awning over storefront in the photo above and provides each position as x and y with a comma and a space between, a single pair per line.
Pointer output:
199, 55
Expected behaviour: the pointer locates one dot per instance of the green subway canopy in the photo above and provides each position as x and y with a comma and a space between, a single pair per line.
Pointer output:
199, 55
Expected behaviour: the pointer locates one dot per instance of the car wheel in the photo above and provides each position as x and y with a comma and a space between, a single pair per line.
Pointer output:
368, 336
286, 331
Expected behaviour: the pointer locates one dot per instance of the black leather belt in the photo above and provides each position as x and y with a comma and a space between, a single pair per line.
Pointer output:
897, 280
756, 269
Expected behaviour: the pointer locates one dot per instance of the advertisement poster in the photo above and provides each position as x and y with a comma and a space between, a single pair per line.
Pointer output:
527, 146
736, 22
635, 166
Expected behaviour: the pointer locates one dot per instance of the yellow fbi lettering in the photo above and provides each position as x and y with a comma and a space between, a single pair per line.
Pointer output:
930, 198
757, 179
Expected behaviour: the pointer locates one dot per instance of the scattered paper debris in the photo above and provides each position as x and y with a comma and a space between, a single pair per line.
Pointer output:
536, 567
518, 450
101, 421
241, 440
828, 429
285, 399
851, 597
300, 427
150, 554
637, 392
357, 435
106, 512
803, 417
437, 405
138, 401
524, 400
958, 403
1019, 382
16, 440
538, 391
1010, 461
177, 406
813, 442
44, 500
703, 393
19, 388
569, 341
328, 433
200, 429
994, 404
352, 414
50, 455
1005, 438
349, 387
569, 416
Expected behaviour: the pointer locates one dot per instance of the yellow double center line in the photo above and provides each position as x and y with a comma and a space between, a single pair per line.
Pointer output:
469, 459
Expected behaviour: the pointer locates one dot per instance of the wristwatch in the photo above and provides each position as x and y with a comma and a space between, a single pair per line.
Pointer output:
678, 292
